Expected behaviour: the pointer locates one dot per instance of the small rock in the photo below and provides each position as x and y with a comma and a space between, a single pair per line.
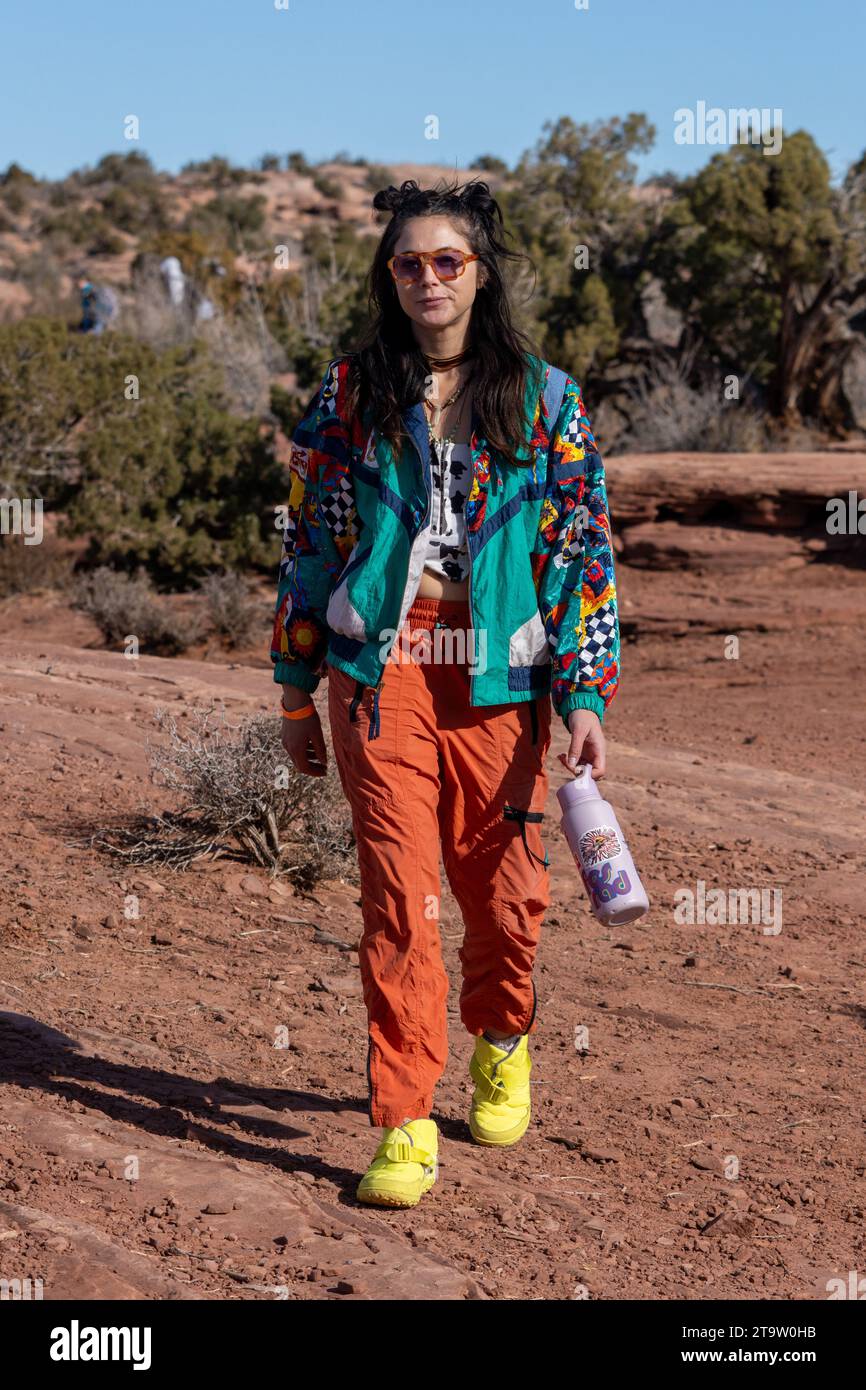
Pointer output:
254, 886
217, 1207
603, 1155
728, 1224
708, 1162
780, 1218
149, 885
570, 1138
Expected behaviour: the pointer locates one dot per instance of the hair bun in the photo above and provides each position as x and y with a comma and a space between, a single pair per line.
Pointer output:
393, 199
476, 195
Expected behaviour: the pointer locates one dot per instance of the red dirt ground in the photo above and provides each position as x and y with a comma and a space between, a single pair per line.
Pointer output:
154, 1143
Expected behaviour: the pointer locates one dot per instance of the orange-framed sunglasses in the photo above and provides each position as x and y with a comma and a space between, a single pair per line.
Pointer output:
447, 263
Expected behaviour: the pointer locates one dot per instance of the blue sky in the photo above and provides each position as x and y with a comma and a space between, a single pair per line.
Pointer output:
239, 77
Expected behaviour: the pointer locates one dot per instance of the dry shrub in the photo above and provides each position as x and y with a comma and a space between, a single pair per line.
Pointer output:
26, 569
240, 797
231, 609
122, 607
247, 353
668, 415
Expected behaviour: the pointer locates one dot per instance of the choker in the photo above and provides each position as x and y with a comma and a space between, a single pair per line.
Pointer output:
445, 364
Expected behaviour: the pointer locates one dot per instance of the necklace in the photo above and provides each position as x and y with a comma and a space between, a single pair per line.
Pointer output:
444, 364
436, 411
449, 438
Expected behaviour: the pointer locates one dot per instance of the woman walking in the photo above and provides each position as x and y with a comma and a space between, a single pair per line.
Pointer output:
447, 562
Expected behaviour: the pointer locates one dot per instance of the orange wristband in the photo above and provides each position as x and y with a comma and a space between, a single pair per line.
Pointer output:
303, 713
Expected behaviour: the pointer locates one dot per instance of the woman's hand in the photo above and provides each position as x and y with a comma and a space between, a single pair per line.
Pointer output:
587, 742
303, 739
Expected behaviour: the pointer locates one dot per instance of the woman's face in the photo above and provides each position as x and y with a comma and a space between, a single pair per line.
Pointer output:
431, 302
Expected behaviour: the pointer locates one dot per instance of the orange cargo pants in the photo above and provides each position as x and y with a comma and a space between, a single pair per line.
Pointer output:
474, 778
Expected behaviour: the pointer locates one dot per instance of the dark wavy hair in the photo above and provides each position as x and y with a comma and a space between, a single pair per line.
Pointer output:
387, 371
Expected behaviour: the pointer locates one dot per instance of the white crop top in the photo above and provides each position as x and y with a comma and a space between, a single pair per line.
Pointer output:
447, 553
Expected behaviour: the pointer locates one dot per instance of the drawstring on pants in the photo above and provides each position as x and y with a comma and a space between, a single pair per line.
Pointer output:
518, 814
373, 731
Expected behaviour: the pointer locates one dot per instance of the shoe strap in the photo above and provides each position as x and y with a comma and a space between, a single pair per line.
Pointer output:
489, 1090
401, 1152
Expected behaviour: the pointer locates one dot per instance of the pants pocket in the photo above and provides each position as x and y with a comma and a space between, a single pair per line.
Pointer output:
524, 740
368, 766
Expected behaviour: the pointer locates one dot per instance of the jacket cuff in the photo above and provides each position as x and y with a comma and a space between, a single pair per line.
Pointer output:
289, 673
582, 699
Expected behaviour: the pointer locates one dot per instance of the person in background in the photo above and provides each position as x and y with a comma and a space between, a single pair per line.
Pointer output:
99, 306
175, 281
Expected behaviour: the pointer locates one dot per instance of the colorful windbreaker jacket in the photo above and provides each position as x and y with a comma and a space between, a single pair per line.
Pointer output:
541, 583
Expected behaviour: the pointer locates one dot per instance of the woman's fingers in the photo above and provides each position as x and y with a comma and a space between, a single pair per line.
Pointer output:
304, 742
596, 745
317, 739
587, 744
574, 757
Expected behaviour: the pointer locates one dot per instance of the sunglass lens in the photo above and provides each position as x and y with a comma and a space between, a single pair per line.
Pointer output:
448, 266
407, 267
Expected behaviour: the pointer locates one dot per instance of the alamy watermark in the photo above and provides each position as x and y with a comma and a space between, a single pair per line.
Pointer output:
718, 907
22, 516
21, 1290
846, 516
441, 646
742, 125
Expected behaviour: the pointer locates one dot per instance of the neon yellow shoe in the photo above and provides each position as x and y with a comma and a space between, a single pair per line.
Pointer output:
501, 1106
404, 1167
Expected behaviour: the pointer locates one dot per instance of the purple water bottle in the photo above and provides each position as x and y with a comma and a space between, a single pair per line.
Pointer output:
600, 851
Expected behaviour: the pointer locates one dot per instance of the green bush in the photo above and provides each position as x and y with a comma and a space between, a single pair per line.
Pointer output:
86, 228
136, 211
378, 176
172, 480
326, 185
130, 169
228, 219
490, 164
297, 163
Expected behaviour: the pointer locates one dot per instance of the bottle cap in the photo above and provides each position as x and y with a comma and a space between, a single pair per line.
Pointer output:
582, 787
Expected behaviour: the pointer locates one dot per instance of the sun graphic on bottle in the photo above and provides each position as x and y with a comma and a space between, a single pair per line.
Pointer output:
598, 844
